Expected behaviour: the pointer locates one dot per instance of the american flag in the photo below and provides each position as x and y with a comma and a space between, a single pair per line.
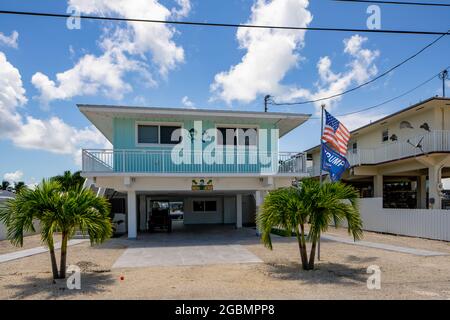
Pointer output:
336, 134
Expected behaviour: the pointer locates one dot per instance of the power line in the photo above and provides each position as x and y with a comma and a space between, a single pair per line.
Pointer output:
391, 99
428, 4
227, 25
365, 83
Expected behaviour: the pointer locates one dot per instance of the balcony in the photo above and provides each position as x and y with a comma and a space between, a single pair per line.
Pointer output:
431, 142
162, 162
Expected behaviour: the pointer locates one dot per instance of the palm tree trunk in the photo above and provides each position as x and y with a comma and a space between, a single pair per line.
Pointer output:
62, 272
51, 249
302, 247
312, 255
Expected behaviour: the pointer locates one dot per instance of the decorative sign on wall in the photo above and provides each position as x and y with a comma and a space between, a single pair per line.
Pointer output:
202, 185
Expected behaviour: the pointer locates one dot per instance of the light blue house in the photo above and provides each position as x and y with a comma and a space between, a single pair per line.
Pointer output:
213, 165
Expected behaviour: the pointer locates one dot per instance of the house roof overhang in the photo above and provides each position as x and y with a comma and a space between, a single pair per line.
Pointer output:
102, 116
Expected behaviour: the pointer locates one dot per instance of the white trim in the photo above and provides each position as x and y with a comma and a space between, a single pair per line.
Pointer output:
192, 174
158, 124
183, 112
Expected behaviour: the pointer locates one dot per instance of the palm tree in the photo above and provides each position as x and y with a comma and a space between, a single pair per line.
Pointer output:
69, 180
311, 203
19, 186
5, 184
57, 210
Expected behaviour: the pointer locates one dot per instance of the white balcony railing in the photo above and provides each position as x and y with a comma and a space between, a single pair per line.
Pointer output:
429, 142
162, 162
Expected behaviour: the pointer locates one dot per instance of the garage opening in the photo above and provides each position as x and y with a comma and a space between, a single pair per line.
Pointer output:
164, 214
175, 212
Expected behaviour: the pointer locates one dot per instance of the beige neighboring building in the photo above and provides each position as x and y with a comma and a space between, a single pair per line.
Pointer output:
402, 157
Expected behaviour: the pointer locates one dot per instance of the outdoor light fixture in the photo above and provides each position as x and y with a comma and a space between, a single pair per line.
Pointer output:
393, 137
192, 133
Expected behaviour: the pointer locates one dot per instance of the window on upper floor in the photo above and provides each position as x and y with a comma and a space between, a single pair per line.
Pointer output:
156, 134
237, 136
385, 135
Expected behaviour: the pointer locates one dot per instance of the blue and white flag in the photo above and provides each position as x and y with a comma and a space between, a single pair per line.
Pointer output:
333, 162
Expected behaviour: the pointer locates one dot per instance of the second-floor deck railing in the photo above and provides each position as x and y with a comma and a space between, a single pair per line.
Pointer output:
429, 142
163, 162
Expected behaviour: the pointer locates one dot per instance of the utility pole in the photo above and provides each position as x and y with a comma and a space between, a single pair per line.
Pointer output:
322, 107
443, 76
266, 101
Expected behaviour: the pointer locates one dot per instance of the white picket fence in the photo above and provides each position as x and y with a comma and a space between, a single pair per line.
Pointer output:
423, 223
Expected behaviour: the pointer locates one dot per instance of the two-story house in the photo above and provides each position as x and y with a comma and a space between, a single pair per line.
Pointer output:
402, 157
214, 166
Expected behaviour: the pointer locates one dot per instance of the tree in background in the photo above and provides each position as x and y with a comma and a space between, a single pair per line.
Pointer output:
69, 180
19, 186
311, 204
5, 184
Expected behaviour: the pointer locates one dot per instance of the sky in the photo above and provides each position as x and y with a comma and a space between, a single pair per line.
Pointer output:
47, 68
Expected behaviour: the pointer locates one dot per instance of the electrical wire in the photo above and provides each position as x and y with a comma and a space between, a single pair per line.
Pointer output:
426, 4
389, 100
230, 25
365, 83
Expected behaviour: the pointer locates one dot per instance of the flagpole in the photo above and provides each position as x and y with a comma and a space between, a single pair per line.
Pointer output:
320, 170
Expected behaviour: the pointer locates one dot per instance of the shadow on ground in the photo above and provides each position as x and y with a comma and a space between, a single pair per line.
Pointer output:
352, 258
324, 273
44, 288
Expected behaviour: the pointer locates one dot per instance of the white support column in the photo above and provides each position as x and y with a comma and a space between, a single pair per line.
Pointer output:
132, 214
422, 192
434, 179
142, 213
378, 186
239, 211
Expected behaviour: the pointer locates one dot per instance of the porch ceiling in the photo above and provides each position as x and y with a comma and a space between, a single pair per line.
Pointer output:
102, 116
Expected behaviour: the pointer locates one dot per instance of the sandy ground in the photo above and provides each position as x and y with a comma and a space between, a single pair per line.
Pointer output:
341, 274
28, 243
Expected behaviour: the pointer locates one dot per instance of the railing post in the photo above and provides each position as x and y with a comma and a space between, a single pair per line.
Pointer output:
123, 161
163, 158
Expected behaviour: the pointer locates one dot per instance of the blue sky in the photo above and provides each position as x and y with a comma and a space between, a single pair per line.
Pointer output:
153, 75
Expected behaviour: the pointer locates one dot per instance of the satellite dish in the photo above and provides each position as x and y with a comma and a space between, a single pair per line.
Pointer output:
418, 145
406, 124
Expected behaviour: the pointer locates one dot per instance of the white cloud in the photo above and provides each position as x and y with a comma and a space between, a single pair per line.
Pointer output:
270, 54
360, 69
53, 135
10, 41
89, 76
187, 102
357, 120
125, 48
13, 176
184, 10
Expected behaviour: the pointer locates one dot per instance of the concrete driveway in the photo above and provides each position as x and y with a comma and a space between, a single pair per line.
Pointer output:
189, 246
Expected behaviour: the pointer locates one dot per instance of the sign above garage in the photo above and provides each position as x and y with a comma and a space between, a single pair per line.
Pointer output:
202, 185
